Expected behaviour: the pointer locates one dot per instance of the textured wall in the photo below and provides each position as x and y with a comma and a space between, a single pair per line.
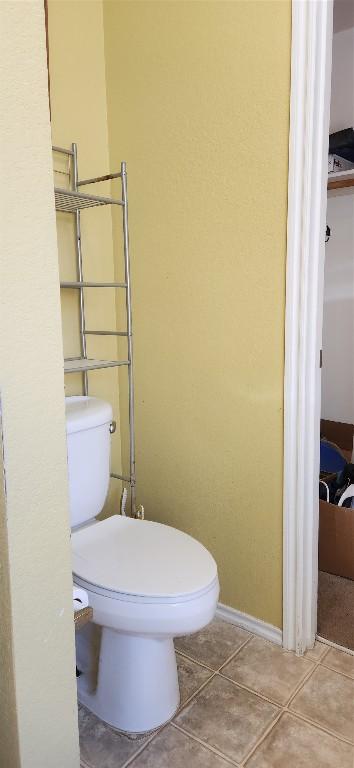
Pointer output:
34, 515
198, 105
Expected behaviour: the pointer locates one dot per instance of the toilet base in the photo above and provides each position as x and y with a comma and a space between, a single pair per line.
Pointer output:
137, 685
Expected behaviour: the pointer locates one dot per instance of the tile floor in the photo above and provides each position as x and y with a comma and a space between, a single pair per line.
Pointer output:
244, 702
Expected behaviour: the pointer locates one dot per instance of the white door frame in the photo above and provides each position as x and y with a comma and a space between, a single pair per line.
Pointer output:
307, 199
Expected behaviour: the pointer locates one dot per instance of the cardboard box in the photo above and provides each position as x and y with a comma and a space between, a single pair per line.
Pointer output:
336, 540
340, 434
336, 524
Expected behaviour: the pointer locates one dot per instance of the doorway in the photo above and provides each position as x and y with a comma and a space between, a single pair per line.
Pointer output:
307, 203
312, 31
336, 514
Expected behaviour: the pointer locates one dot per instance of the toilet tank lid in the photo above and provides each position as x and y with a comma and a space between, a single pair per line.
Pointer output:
85, 413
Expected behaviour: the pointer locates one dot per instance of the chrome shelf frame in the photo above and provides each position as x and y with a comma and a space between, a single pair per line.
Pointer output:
73, 201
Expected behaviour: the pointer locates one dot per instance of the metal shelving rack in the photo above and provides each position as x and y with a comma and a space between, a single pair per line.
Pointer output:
73, 201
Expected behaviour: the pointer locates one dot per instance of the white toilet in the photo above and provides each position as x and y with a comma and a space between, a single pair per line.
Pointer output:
147, 583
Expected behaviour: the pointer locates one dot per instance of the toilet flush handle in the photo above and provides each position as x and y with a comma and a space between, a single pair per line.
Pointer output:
113, 427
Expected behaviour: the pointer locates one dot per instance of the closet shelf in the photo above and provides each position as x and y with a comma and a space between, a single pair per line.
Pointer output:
88, 284
70, 201
341, 179
80, 364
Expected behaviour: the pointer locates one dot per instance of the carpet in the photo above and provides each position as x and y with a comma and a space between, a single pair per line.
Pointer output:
335, 619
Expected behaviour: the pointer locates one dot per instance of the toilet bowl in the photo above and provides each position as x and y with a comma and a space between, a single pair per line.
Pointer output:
147, 583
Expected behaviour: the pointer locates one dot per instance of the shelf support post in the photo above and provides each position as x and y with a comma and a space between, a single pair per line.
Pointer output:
79, 268
130, 341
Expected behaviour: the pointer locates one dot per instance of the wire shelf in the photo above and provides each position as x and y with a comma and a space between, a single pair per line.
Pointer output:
87, 284
69, 202
79, 364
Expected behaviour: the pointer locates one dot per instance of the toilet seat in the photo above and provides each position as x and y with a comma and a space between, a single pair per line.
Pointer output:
141, 561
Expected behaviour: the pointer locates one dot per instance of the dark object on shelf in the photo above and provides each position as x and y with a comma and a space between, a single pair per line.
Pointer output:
342, 143
331, 457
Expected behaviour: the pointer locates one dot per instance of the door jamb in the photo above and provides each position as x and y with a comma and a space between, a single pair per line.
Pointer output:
311, 61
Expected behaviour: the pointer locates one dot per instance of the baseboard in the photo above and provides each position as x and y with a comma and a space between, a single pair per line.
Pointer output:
256, 626
335, 645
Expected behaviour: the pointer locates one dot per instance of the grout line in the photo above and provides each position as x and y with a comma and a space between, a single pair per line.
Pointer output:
206, 666
320, 727
342, 648
300, 685
193, 695
206, 682
262, 738
235, 653
170, 722
207, 746
304, 718
191, 658
316, 663
143, 746
244, 687
180, 708
307, 719
338, 672
285, 708
237, 685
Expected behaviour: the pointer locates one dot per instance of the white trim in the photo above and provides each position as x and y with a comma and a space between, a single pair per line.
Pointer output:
307, 200
256, 626
335, 645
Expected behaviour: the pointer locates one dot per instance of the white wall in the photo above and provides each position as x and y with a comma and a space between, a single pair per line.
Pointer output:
342, 94
338, 311
338, 316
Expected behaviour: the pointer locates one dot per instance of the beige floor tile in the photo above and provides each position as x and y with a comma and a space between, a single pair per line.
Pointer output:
317, 652
227, 717
214, 644
327, 698
268, 669
173, 749
190, 676
101, 746
340, 662
292, 743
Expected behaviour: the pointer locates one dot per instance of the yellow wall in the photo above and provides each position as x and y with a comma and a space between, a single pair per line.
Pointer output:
37, 659
79, 114
198, 103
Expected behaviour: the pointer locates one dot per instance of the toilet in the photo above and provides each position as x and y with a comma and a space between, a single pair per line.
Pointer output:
146, 582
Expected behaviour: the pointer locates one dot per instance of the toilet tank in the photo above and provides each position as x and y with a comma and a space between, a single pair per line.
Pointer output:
88, 449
